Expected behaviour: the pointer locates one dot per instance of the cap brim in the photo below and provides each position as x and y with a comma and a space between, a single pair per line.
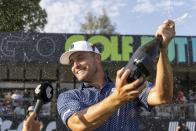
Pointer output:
64, 59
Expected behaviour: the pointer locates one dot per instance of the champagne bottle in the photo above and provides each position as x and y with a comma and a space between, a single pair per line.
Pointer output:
144, 60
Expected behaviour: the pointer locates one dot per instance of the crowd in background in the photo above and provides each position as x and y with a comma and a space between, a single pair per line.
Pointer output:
182, 107
181, 98
183, 93
16, 102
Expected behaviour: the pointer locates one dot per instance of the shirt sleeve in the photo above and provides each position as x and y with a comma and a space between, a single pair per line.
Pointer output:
144, 95
67, 104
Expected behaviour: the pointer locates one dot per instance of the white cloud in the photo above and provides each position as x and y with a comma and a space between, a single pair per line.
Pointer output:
112, 7
151, 6
178, 10
144, 6
61, 15
65, 16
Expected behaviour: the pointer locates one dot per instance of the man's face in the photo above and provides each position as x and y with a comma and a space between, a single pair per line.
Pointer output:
84, 65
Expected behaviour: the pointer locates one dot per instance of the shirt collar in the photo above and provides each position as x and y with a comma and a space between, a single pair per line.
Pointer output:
87, 85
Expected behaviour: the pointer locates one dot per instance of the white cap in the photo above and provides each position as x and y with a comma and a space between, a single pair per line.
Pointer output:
77, 47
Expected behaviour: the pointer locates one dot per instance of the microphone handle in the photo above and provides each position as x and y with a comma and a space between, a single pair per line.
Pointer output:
38, 106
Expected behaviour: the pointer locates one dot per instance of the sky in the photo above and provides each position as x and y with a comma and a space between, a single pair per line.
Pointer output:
131, 17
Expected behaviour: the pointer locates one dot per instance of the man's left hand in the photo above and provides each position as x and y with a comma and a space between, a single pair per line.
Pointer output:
167, 31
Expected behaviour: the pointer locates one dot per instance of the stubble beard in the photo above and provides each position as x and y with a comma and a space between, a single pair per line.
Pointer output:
90, 76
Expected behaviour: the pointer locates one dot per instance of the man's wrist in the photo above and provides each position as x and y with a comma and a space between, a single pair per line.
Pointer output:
115, 100
163, 49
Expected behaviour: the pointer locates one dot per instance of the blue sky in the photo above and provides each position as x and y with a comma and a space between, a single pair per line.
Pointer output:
140, 17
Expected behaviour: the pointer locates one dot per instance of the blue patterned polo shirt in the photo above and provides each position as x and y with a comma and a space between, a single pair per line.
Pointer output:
124, 119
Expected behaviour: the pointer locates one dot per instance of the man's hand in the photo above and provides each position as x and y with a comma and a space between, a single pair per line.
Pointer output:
31, 123
167, 31
127, 91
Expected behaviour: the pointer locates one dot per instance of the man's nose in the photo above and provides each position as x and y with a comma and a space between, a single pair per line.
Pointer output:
76, 64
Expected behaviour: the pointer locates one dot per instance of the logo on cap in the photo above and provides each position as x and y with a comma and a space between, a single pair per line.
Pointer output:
72, 46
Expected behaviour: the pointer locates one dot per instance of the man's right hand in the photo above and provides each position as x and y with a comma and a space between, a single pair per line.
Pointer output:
127, 91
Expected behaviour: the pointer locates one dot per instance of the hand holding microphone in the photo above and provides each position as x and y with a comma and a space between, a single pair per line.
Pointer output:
31, 123
43, 94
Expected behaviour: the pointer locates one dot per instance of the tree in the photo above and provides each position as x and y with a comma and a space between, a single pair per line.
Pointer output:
21, 15
90, 25
100, 25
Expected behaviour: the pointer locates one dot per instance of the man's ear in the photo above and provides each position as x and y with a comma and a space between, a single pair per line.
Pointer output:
98, 58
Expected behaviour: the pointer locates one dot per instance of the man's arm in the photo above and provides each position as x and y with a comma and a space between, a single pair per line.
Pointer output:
95, 115
162, 92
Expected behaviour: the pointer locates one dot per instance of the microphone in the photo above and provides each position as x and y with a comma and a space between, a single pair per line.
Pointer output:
43, 94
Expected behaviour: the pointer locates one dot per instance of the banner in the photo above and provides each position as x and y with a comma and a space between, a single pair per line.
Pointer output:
47, 47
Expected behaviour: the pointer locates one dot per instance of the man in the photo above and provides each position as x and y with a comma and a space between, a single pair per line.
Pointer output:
101, 105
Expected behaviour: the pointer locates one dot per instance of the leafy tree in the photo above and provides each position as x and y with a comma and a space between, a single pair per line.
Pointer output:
97, 25
21, 15
104, 24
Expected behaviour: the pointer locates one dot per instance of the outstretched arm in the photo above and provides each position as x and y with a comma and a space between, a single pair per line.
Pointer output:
162, 92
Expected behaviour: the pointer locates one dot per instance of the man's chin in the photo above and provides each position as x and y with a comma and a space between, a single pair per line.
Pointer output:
80, 78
